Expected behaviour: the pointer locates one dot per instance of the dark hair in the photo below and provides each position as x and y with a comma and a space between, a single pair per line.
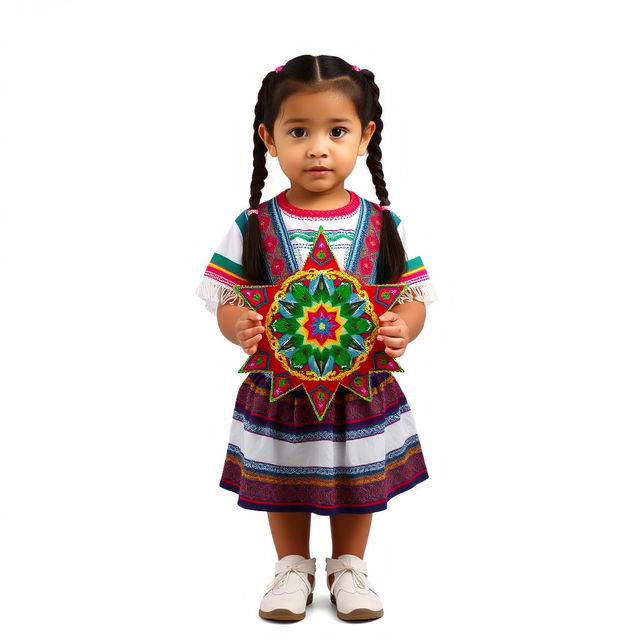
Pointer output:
320, 73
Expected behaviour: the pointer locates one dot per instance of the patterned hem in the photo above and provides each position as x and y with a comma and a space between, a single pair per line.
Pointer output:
320, 510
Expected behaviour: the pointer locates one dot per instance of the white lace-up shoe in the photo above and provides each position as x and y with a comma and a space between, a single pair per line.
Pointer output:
351, 590
290, 591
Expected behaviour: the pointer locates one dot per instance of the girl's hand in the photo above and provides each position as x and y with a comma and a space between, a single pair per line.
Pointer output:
249, 330
394, 332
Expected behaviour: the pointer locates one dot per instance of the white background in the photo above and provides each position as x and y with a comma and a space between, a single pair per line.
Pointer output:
510, 146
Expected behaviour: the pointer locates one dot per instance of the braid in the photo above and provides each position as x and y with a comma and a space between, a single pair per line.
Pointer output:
259, 152
391, 260
374, 153
252, 250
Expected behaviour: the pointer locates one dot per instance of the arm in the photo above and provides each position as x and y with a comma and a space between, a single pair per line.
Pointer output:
414, 314
227, 318
235, 328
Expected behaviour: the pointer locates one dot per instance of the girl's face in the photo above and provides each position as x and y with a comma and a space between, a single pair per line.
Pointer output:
317, 129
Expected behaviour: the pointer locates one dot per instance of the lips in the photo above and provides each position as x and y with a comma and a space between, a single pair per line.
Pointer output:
318, 168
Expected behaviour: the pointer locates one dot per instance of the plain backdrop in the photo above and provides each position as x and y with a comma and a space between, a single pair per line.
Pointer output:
510, 146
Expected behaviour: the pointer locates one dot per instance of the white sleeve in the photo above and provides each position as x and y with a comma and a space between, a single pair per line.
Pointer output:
225, 270
415, 273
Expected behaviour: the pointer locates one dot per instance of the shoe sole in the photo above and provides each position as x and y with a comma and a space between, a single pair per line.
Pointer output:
284, 614
357, 614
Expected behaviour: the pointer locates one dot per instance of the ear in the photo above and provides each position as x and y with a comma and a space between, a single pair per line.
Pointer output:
366, 136
267, 139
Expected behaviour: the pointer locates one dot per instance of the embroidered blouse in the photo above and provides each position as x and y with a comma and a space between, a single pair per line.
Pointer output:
225, 270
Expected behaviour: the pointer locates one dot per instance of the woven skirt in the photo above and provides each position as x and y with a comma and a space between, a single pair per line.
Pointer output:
358, 457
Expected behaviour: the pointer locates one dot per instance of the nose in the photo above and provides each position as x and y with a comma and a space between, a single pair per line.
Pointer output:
317, 146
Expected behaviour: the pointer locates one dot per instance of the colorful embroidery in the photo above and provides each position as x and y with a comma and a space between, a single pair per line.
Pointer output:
414, 271
349, 481
321, 325
281, 456
226, 271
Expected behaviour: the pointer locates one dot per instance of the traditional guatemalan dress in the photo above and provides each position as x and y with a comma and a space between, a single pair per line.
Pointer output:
279, 456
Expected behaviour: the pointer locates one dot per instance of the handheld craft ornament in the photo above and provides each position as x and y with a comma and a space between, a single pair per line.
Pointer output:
321, 325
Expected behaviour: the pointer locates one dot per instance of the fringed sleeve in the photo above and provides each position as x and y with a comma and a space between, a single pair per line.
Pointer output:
225, 270
415, 273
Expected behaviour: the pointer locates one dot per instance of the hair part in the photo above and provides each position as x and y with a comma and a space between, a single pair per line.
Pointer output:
312, 74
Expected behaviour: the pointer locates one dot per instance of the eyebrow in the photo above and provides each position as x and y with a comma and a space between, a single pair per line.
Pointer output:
290, 120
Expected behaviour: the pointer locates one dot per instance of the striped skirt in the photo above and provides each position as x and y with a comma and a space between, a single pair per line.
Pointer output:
281, 458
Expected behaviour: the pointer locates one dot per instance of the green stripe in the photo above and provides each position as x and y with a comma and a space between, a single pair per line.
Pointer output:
412, 264
229, 265
241, 221
332, 236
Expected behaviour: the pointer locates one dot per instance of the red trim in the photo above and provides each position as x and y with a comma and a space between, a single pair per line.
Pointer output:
349, 208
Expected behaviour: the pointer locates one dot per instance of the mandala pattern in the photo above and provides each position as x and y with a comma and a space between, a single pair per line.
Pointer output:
321, 326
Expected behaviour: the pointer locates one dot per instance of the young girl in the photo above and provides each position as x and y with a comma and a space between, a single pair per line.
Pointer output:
317, 114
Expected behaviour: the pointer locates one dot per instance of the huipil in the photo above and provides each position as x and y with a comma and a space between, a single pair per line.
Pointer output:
280, 457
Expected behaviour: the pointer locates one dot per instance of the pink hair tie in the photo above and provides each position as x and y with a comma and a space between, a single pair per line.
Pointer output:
279, 69
355, 67
384, 207
255, 211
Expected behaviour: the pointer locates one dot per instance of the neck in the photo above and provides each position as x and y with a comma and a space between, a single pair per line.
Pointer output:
333, 198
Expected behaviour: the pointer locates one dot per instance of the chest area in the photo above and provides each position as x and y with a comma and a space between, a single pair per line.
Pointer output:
301, 240
354, 243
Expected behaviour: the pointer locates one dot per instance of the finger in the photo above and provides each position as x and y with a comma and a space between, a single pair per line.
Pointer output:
394, 343
245, 334
394, 353
251, 345
390, 331
248, 325
388, 316
254, 339
252, 318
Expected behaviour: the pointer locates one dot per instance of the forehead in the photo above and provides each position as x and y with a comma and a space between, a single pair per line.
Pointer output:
319, 108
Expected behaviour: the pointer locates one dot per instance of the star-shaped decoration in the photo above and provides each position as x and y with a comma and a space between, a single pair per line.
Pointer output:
321, 325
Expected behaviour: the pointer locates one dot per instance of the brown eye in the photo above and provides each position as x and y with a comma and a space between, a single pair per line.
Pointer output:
339, 129
296, 129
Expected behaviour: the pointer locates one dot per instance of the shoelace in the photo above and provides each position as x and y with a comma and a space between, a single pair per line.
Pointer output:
357, 575
284, 577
